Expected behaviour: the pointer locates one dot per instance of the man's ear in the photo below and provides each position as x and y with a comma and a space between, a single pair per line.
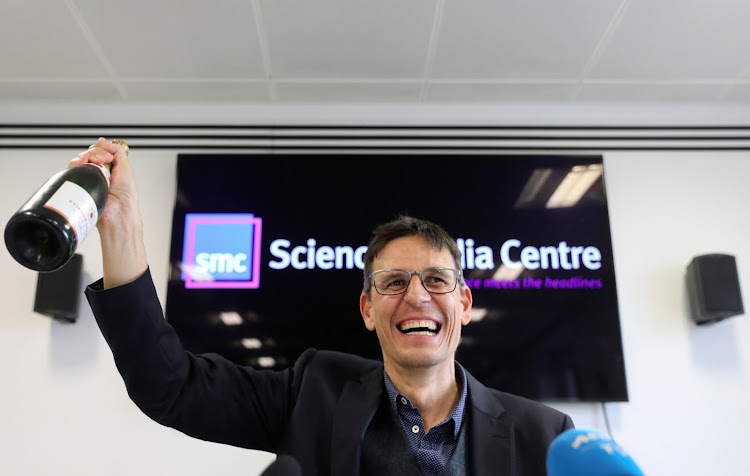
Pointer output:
365, 306
466, 301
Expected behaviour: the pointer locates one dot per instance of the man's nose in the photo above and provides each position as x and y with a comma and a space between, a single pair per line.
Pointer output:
416, 292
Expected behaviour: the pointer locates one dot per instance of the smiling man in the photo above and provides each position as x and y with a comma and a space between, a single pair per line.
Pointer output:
415, 299
417, 315
417, 412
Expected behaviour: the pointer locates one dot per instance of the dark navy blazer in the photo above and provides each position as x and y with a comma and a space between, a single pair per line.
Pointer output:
317, 410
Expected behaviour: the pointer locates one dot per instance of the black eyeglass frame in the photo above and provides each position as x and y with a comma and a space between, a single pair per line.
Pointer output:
456, 272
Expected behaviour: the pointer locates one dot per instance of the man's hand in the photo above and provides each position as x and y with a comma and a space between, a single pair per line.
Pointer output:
120, 225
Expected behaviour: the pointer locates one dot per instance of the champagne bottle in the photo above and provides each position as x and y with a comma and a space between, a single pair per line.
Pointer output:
46, 231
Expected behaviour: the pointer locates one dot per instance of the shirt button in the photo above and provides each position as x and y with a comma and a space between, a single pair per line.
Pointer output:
403, 400
415, 429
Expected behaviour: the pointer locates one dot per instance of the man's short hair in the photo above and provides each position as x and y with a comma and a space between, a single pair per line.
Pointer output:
404, 226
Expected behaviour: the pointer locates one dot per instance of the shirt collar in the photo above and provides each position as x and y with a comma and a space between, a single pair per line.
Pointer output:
458, 411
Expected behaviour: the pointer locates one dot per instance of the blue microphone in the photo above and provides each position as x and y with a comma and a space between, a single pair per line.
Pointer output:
588, 453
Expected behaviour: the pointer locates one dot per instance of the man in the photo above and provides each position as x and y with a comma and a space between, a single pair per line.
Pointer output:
417, 412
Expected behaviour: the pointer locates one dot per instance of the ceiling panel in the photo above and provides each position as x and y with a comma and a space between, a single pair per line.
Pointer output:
176, 91
678, 39
501, 92
362, 92
389, 51
43, 43
670, 92
335, 39
54, 91
530, 39
176, 38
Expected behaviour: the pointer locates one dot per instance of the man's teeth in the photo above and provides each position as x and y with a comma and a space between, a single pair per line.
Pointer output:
420, 328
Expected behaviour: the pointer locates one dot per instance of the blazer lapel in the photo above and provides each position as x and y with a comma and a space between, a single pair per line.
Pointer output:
356, 407
491, 446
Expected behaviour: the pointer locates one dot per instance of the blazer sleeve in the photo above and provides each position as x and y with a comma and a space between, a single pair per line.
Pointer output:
205, 396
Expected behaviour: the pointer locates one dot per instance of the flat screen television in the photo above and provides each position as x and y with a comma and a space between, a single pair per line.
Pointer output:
266, 260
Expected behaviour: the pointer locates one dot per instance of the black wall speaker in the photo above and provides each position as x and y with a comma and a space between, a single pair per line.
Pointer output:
714, 288
59, 292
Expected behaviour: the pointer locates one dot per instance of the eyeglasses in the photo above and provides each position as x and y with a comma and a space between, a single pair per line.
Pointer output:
396, 281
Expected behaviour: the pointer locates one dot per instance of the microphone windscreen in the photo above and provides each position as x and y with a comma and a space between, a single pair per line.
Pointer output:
284, 465
588, 453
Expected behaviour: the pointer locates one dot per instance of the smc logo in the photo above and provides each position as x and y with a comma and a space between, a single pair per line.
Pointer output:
221, 250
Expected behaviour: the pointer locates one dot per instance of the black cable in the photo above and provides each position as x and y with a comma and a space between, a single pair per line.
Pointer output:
606, 421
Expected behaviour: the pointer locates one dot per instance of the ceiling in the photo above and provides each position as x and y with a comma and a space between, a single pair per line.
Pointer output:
379, 51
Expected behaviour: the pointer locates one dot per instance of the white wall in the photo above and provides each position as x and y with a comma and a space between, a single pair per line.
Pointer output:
689, 385
64, 410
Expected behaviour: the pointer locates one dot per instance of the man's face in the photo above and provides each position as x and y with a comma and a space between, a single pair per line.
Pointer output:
391, 316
